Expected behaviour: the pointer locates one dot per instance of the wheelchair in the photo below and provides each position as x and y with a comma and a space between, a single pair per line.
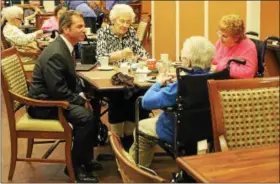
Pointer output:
192, 114
261, 48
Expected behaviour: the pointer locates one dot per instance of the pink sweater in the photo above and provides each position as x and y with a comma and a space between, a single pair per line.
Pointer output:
50, 24
246, 50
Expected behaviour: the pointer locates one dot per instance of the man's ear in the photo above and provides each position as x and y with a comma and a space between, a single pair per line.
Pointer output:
66, 30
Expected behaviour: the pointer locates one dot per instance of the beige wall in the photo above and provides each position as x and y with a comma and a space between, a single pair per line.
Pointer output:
202, 18
269, 19
217, 9
191, 20
165, 29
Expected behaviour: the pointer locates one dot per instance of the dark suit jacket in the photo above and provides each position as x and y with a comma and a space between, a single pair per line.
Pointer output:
54, 76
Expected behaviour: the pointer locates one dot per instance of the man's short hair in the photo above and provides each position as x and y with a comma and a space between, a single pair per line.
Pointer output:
66, 19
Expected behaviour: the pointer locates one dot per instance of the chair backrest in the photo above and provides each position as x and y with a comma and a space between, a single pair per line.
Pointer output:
129, 171
143, 29
40, 18
91, 23
4, 43
13, 80
245, 111
193, 115
13, 76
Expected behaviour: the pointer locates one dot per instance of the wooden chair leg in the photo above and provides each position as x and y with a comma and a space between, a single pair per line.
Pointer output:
30, 143
68, 159
13, 160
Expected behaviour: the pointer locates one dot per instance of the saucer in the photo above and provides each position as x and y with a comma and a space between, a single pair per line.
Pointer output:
105, 68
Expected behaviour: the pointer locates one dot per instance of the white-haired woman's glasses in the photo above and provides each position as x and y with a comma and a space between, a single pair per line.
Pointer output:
122, 21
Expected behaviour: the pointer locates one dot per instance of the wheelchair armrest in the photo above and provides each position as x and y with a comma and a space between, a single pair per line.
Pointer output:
236, 60
170, 109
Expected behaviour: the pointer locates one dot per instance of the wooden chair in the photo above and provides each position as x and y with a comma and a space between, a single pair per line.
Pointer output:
142, 30
40, 18
245, 113
129, 171
15, 91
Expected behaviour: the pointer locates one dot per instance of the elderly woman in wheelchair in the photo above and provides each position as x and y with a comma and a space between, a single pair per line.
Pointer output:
197, 53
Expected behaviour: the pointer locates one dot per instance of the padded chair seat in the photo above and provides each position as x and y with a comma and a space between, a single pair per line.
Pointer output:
29, 124
29, 67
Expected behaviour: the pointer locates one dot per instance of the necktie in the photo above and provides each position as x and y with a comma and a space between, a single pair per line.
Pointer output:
74, 58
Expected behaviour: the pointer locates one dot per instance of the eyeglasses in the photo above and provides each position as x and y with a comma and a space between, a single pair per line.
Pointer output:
20, 19
121, 21
220, 35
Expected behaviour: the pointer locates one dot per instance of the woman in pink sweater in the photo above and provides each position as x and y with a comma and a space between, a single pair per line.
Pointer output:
52, 23
234, 44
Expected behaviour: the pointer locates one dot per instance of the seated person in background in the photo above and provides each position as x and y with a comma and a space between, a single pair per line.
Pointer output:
30, 14
120, 43
52, 23
233, 43
197, 53
54, 78
24, 43
81, 6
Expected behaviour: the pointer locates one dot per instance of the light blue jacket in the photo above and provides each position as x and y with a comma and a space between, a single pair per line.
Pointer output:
158, 98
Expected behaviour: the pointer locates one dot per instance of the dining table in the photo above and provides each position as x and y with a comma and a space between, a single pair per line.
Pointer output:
244, 165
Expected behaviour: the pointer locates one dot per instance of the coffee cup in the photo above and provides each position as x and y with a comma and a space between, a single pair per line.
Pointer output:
104, 61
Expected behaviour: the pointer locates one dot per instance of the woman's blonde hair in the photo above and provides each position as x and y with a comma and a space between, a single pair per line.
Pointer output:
234, 25
197, 52
12, 12
121, 9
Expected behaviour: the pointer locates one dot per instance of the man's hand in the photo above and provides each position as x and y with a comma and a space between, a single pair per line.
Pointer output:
88, 105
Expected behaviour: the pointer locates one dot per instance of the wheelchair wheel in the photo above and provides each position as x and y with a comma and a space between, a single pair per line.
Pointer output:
102, 134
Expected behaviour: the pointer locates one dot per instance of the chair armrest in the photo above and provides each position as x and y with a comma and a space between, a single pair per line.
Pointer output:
40, 103
202, 147
223, 143
29, 54
147, 170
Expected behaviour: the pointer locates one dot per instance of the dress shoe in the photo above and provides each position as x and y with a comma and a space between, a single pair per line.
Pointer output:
93, 166
82, 176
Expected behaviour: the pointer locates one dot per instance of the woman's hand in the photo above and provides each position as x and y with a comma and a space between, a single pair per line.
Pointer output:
163, 79
39, 33
213, 68
127, 53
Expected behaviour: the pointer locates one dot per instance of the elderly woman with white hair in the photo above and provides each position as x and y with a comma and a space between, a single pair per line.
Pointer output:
197, 53
120, 43
16, 37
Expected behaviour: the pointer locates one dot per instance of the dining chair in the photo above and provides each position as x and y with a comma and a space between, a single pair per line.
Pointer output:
130, 172
142, 30
245, 113
40, 18
15, 90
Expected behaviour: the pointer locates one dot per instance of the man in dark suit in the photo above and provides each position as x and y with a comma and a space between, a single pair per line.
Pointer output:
54, 78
